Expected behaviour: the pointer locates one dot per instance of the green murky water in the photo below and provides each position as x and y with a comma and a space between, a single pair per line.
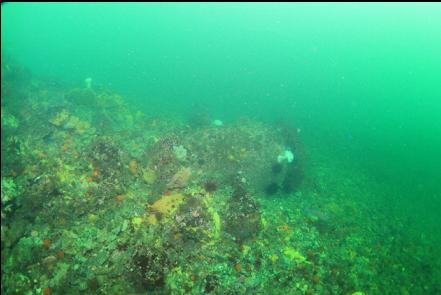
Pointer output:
221, 148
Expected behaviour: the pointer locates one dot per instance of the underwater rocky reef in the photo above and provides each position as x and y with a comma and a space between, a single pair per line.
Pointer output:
100, 198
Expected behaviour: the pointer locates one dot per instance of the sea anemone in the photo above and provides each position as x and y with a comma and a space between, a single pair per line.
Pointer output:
210, 186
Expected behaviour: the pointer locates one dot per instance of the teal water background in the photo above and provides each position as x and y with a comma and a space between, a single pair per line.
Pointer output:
360, 80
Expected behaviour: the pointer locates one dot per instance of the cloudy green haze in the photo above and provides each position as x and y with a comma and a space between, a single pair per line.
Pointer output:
360, 81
